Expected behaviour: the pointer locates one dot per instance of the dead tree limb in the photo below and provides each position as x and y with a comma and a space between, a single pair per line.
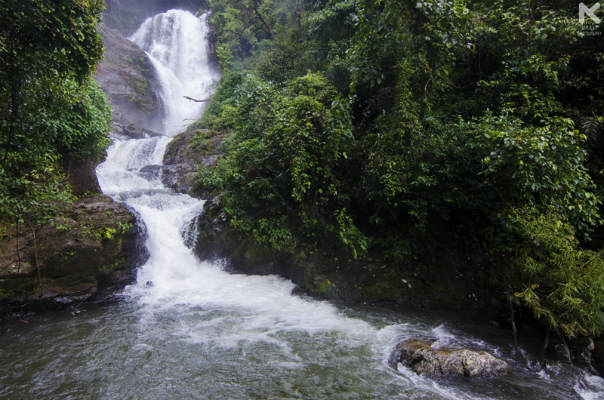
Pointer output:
197, 100
36, 257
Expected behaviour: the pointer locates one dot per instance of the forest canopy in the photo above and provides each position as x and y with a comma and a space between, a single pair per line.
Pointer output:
379, 124
51, 109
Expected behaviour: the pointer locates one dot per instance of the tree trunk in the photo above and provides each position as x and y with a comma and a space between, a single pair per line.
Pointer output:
18, 251
257, 12
36, 257
513, 321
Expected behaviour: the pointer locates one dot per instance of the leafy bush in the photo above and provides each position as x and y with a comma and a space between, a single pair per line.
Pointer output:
282, 174
50, 107
546, 272
447, 113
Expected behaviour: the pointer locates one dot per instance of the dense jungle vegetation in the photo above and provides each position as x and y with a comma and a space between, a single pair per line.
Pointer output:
51, 109
363, 126
371, 125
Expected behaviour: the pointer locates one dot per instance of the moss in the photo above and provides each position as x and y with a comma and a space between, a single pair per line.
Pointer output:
206, 141
323, 286
142, 89
318, 285
68, 286
255, 254
98, 233
385, 284
116, 265
68, 255
11, 289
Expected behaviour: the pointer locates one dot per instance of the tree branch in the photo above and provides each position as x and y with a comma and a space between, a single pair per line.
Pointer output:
197, 100
255, 7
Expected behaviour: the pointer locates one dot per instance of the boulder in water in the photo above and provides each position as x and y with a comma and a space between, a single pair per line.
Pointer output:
419, 356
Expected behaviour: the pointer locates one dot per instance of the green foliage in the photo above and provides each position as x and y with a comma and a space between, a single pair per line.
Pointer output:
243, 28
282, 173
480, 169
419, 115
546, 272
46, 37
51, 109
225, 96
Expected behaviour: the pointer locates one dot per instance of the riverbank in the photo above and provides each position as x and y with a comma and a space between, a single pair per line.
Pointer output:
90, 250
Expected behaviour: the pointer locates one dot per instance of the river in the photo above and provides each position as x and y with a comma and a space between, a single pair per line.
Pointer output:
188, 329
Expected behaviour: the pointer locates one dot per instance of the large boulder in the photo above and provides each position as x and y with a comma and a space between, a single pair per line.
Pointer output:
419, 356
81, 174
91, 250
128, 78
185, 154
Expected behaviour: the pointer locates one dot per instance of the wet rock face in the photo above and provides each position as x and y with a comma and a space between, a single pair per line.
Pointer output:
82, 176
185, 154
127, 76
598, 355
92, 250
127, 15
419, 356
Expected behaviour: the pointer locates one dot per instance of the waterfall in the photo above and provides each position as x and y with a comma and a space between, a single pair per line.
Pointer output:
237, 336
177, 45
189, 330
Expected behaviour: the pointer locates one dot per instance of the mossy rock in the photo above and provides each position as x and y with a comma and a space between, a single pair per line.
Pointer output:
185, 155
92, 249
423, 359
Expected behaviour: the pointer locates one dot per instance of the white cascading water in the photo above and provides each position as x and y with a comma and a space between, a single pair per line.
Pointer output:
217, 308
176, 42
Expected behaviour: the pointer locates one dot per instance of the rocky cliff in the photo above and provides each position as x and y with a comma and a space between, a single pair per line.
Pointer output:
127, 76
185, 154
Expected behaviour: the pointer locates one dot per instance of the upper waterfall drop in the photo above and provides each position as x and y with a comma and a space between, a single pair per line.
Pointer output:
177, 44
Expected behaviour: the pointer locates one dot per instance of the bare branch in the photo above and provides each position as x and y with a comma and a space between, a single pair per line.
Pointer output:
197, 100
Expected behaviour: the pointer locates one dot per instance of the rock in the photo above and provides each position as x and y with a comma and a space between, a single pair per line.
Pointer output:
185, 154
598, 355
128, 78
315, 274
92, 250
81, 174
419, 356
151, 171
127, 15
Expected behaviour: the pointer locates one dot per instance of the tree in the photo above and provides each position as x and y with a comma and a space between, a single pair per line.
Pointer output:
50, 108
282, 175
